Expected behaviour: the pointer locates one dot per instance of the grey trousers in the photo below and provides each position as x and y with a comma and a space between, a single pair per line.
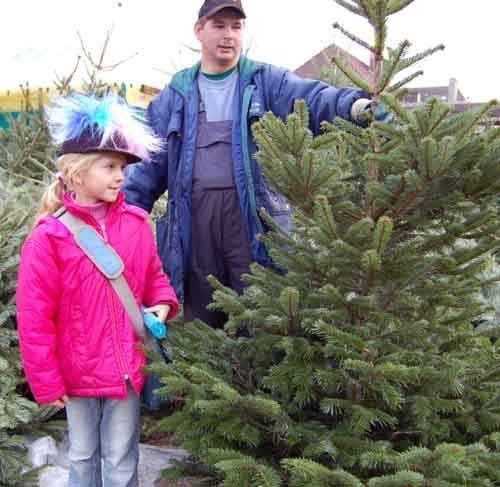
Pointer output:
219, 237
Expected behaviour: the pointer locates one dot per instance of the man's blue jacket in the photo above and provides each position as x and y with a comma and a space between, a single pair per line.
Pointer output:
173, 115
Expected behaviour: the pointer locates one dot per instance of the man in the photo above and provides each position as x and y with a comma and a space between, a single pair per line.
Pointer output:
215, 186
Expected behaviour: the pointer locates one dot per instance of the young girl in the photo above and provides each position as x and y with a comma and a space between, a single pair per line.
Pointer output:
78, 345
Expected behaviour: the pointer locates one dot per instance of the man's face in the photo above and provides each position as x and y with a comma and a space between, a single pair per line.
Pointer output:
221, 38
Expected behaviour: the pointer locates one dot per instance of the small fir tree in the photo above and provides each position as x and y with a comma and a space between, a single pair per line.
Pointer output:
17, 413
26, 154
363, 367
26, 158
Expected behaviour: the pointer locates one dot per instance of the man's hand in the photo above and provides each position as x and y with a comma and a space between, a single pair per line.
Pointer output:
160, 310
363, 114
382, 113
62, 402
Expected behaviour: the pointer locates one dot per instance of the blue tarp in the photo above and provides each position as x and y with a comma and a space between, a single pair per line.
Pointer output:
4, 121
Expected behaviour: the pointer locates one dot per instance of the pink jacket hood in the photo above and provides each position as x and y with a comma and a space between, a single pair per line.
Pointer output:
75, 337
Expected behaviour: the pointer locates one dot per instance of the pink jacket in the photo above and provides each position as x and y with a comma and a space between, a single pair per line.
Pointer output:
75, 336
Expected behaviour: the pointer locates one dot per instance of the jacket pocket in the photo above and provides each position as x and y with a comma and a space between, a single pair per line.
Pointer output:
161, 231
174, 125
173, 136
162, 237
164, 233
78, 338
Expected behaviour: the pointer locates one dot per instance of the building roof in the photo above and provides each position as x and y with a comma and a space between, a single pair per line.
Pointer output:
323, 60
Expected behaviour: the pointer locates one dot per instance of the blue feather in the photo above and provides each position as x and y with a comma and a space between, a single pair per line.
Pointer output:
71, 116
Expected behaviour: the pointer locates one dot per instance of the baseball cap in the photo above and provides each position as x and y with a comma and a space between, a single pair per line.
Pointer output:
211, 7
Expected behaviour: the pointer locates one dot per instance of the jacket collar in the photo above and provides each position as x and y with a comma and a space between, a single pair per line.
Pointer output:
183, 81
84, 213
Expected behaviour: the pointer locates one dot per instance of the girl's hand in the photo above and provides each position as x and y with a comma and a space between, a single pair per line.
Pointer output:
160, 310
61, 403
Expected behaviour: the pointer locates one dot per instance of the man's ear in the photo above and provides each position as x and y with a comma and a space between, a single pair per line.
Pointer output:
198, 27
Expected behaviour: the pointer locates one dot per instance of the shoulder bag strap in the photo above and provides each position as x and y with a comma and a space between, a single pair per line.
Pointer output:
119, 284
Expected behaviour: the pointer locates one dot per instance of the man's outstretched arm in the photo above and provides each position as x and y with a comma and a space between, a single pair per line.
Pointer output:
325, 102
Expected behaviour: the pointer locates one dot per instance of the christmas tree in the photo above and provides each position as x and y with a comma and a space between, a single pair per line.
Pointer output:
26, 154
26, 159
362, 366
17, 413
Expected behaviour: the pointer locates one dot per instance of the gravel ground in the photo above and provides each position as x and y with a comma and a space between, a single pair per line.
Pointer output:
45, 451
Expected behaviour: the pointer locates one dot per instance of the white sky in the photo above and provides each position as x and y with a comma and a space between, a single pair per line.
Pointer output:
34, 45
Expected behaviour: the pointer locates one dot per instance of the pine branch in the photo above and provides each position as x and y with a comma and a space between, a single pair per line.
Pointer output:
406, 63
392, 65
475, 117
395, 6
63, 83
397, 86
352, 8
352, 75
353, 37
395, 106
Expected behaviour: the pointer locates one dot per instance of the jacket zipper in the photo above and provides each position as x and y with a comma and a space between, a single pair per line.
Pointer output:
104, 234
247, 96
121, 360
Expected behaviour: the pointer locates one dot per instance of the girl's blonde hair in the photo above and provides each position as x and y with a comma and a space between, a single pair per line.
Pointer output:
69, 166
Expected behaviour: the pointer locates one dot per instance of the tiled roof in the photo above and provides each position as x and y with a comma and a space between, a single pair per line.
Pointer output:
322, 60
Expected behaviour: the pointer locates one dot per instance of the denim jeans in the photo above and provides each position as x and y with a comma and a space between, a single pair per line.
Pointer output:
103, 441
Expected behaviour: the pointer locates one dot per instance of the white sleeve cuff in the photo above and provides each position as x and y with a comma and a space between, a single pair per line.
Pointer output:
358, 107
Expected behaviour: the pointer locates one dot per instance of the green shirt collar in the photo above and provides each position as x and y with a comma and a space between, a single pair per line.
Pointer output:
219, 76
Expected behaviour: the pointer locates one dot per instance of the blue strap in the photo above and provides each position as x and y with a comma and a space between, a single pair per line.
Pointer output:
101, 254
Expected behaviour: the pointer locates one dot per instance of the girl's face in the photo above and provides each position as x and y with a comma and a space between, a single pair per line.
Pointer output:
102, 180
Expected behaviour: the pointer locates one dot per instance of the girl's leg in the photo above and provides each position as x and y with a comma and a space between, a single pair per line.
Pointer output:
84, 417
120, 441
